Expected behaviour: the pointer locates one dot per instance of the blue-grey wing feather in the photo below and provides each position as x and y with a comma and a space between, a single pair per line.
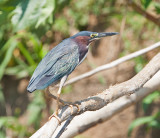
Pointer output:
60, 61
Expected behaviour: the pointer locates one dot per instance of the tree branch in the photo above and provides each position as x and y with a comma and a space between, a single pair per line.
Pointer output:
89, 119
113, 64
100, 100
64, 126
147, 15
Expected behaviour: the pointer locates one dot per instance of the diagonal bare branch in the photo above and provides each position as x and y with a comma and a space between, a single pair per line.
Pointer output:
100, 100
89, 119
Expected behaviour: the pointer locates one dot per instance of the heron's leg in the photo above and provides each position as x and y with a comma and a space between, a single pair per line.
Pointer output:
63, 80
53, 96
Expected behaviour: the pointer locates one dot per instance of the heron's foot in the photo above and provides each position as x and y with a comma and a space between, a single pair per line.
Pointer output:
64, 103
56, 116
71, 105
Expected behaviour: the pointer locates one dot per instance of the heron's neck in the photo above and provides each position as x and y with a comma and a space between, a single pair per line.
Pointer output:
83, 50
82, 41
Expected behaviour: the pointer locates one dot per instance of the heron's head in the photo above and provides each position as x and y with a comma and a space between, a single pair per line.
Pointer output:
86, 37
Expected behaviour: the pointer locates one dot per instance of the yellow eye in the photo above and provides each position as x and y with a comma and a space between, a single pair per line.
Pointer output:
93, 35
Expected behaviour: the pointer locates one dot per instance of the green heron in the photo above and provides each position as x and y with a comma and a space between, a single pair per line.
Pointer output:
62, 60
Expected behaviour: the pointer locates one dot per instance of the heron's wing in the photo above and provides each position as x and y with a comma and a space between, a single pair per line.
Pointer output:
54, 67
50, 58
64, 66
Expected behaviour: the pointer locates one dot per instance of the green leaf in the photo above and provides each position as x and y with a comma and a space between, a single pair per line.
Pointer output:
32, 13
19, 71
37, 45
149, 99
157, 8
138, 122
6, 46
146, 3
26, 54
46, 13
154, 124
157, 115
13, 124
140, 62
24, 67
11, 44
2, 99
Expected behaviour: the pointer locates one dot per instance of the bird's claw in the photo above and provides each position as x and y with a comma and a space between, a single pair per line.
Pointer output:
64, 104
71, 106
53, 115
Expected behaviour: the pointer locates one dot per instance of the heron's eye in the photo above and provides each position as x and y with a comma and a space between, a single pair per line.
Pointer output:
93, 35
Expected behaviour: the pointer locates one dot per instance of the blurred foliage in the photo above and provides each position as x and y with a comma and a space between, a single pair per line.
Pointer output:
147, 101
37, 104
16, 127
146, 3
152, 121
140, 62
67, 89
100, 77
13, 124
29, 27
15, 55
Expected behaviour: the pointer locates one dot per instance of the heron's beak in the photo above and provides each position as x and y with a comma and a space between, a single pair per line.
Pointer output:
106, 34
96, 36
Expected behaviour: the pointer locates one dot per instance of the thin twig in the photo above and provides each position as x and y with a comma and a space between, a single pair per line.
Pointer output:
147, 15
113, 64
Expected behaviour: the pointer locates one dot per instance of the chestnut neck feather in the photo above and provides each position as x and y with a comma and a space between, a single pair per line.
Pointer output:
82, 42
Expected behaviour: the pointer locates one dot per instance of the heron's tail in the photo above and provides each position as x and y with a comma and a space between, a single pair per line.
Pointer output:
31, 86
31, 89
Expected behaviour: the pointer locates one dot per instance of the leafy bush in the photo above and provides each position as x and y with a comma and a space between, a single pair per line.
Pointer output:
152, 121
